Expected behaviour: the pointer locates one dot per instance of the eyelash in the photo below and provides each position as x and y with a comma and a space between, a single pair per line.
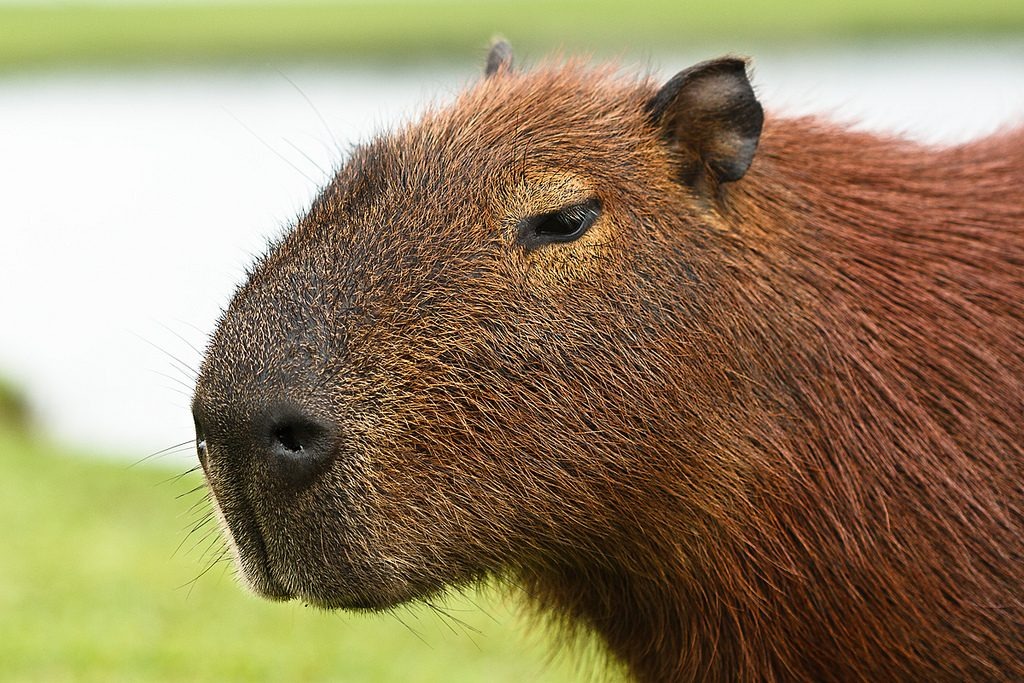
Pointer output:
564, 225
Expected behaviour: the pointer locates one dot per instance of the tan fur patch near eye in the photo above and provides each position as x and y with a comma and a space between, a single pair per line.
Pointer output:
557, 263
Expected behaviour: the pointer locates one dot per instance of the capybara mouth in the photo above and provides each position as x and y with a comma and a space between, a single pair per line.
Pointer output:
250, 550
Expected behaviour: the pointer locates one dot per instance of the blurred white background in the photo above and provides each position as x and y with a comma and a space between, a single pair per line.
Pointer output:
131, 202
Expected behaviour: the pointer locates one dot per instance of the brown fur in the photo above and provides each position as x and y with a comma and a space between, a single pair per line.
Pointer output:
767, 430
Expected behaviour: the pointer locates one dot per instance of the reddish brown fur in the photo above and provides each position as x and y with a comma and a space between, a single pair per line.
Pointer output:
880, 536
773, 432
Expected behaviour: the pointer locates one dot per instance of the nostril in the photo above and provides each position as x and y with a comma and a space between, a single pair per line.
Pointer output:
296, 437
287, 437
300, 447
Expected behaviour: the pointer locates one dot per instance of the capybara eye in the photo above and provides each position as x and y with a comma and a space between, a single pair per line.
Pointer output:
200, 438
564, 225
201, 451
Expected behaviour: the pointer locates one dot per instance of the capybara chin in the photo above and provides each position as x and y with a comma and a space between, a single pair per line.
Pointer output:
742, 395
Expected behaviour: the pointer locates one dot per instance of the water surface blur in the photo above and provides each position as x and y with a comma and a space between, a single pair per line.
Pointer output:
133, 201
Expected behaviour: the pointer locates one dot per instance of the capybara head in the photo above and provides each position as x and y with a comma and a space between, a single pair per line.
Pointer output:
551, 332
465, 356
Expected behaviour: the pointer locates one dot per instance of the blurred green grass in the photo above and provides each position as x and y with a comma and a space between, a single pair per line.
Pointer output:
81, 34
91, 590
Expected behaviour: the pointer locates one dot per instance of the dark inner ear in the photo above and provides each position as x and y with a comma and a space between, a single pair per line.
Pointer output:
499, 58
708, 115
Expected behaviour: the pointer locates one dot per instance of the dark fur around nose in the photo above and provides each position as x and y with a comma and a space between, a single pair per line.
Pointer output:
295, 445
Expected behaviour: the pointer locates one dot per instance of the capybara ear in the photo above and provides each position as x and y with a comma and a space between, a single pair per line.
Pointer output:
710, 118
499, 58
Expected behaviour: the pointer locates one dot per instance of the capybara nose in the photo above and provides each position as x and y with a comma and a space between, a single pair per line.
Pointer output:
296, 445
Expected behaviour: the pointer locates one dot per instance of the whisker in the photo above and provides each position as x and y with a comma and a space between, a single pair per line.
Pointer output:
478, 608
310, 160
162, 451
225, 562
466, 626
191, 584
185, 448
177, 390
179, 477
323, 121
201, 517
196, 522
200, 510
206, 537
204, 333
441, 615
181, 365
195, 505
271, 148
190, 492
190, 344
195, 527
217, 551
217, 560
411, 629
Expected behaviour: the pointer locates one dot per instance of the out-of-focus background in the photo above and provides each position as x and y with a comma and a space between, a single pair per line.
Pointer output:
148, 150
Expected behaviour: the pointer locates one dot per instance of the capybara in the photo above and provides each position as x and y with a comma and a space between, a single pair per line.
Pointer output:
741, 395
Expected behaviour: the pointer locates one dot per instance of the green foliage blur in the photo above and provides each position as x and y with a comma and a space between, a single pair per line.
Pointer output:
15, 412
389, 30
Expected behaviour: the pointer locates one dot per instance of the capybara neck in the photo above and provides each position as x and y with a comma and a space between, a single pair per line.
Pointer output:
866, 338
